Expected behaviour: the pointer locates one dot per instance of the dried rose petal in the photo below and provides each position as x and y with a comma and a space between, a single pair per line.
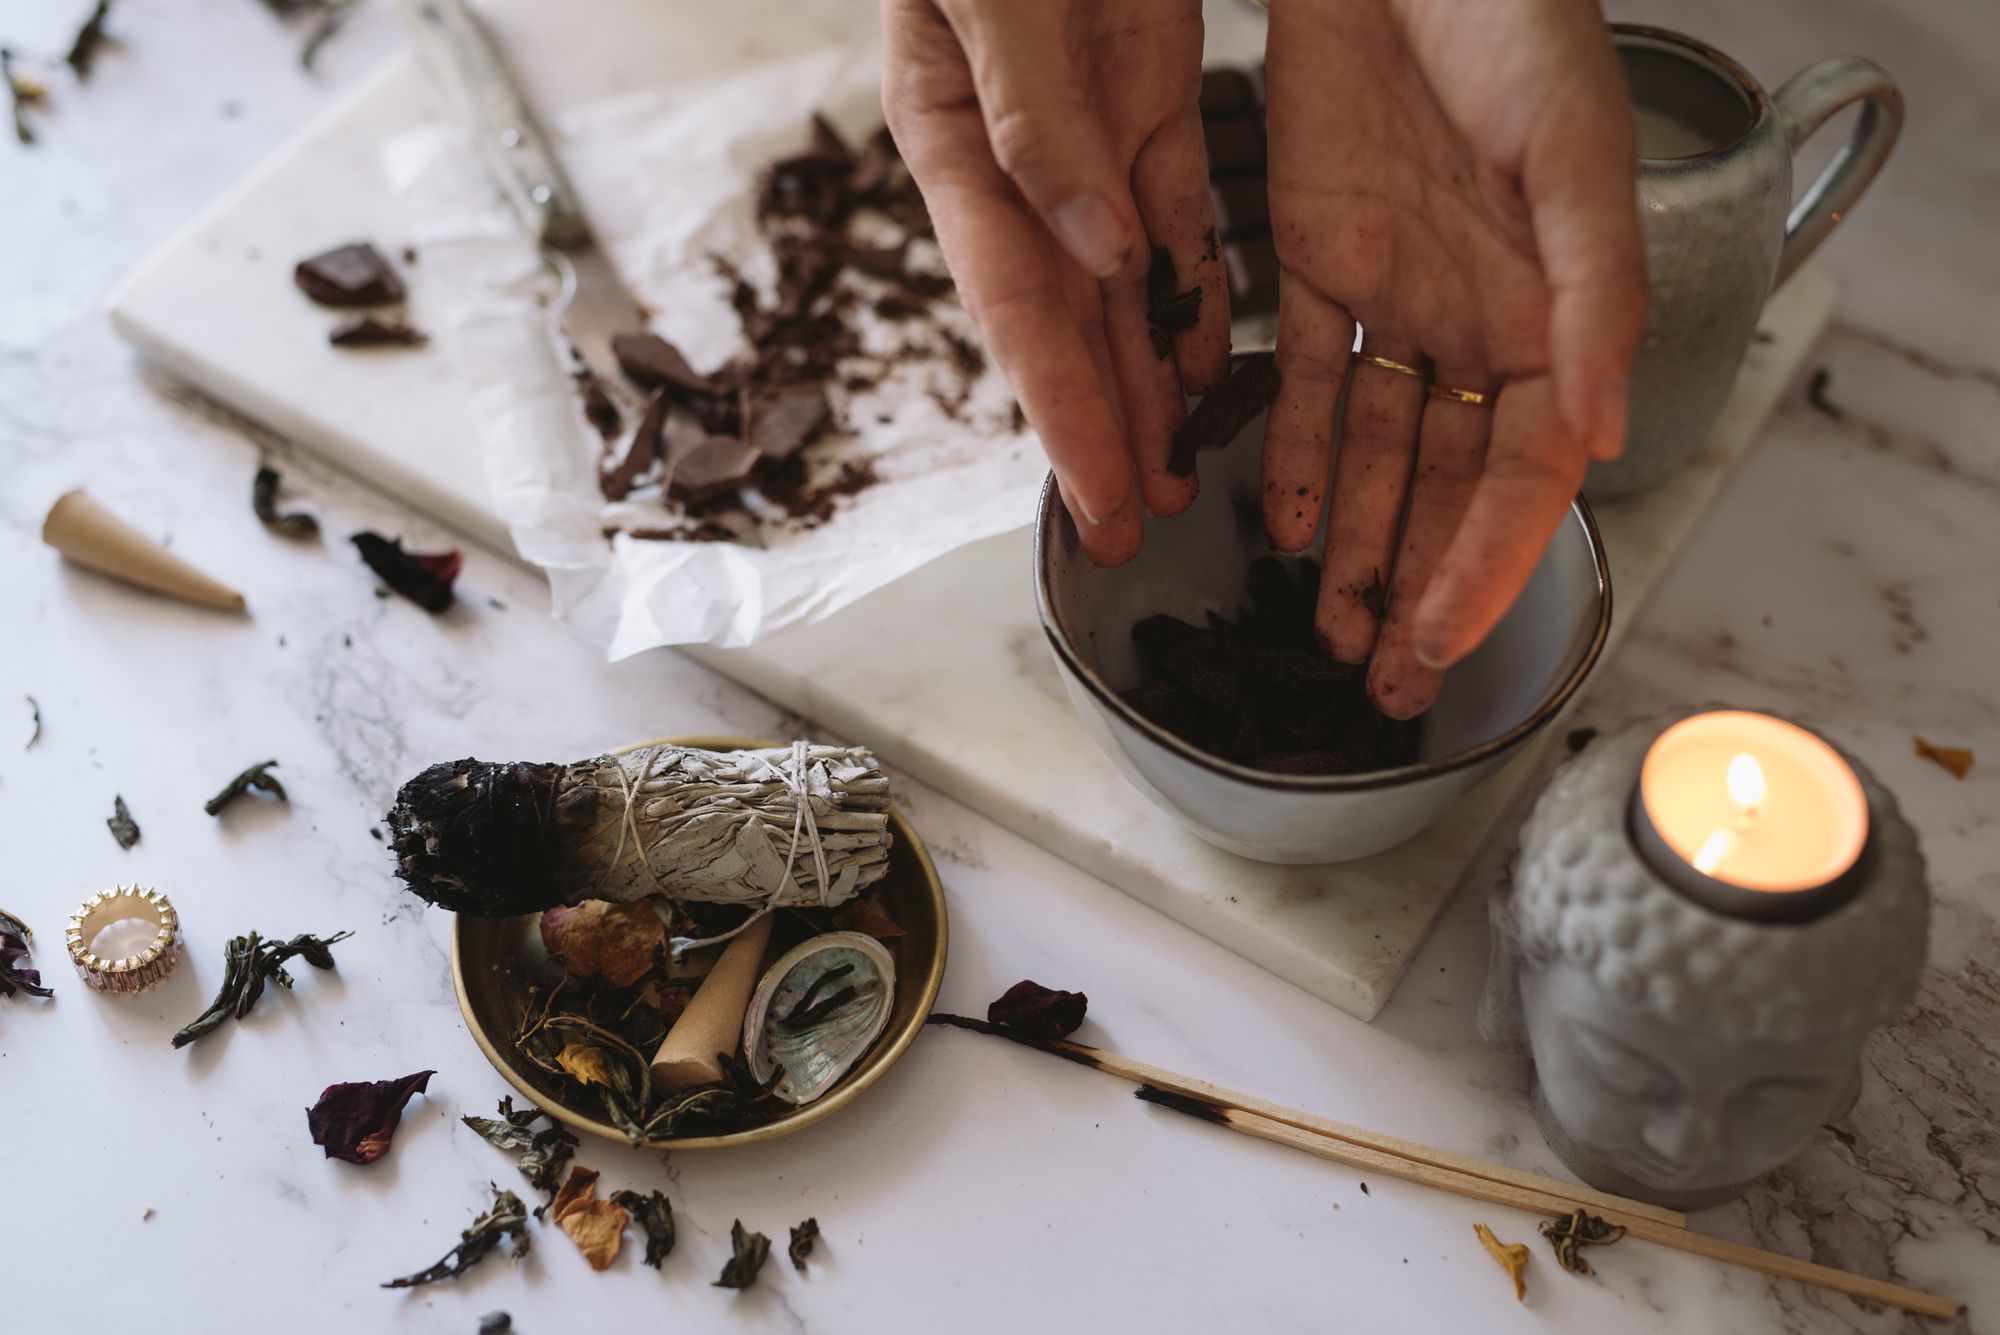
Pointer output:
355, 1121
617, 943
425, 578
596, 1227
868, 917
1043, 1012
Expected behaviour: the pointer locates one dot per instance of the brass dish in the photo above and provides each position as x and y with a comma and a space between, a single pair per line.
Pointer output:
491, 959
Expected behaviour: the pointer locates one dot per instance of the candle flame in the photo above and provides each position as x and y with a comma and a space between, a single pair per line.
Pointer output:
1713, 850
1746, 782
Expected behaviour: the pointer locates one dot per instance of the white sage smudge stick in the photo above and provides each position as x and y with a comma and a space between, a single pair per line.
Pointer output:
791, 827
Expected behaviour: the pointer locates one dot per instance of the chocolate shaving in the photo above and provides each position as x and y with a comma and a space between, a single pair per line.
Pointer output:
424, 578
617, 481
779, 423
350, 275
651, 361
599, 408
717, 466
365, 331
1168, 312
1225, 410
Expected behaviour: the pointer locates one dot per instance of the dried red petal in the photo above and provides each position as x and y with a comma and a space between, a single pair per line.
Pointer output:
425, 578
355, 1121
1042, 1012
618, 943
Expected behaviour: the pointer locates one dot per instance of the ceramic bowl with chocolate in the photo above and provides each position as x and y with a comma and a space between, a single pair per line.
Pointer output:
1196, 670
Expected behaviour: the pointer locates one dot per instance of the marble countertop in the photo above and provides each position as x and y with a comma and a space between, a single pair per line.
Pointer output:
1850, 576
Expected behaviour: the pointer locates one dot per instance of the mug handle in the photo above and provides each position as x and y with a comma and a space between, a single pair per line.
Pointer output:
1804, 104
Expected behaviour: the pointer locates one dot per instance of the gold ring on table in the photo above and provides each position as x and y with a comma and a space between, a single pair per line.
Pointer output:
134, 973
1477, 398
1390, 364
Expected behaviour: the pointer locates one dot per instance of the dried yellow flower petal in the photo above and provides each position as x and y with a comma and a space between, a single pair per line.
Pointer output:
1512, 1255
596, 1227
1956, 760
586, 1063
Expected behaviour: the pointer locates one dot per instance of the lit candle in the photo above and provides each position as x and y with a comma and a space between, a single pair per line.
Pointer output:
1751, 815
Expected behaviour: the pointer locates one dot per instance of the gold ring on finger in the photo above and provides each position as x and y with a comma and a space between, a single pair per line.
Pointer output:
1391, 364
1477, 398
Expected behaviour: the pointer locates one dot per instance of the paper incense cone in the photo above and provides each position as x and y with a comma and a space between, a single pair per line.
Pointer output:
92, 536
713, 1020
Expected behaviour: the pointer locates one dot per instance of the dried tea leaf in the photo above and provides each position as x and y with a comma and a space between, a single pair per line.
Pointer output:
1512, 1255
123, 828
22, 93
257, 777
655, 1214
750, 1251
596, 1227
83, 50
15, 975
543, 1152
507, 1219
1575, 1231
248, 962
264, 502
617, 944
803, 1237
34, 722
585, 1063
355, 1121
496, 1323
1042, 1012
867, 916
1955, 760
425, 578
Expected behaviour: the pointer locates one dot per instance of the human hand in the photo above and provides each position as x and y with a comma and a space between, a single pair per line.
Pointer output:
1460, 179
1057, 142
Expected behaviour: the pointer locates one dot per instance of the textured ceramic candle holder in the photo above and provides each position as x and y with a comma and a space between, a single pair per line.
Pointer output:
1682, 1052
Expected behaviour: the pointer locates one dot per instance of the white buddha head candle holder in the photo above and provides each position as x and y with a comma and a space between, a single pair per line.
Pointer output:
1708, 914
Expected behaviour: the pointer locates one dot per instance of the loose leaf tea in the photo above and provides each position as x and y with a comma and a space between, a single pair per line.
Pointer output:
83, 50
803, 1237
123, 828
1573, 1232
356, 1120
496, 1323
543, 1152
507, 1219
22, 93
425, 578
264, 502
248, 962
258, 776
750, 1251
1512, 1255
1042, 1012
15, 973
1225, 410
617, 944
350, 275
366, 331
596, 1227
655, 1214
332, 14
1955, 760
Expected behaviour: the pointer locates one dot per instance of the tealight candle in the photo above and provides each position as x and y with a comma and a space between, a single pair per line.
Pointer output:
1751, 815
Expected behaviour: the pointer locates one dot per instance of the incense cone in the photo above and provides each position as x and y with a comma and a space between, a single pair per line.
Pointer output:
713, 1020
92, 536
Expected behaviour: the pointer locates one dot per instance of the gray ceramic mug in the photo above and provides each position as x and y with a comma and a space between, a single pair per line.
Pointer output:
1715, 203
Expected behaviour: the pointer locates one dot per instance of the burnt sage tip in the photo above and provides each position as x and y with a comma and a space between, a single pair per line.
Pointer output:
479, 838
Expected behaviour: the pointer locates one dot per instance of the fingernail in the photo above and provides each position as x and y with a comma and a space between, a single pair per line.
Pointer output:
1091, 231
1104, 514
1427, 655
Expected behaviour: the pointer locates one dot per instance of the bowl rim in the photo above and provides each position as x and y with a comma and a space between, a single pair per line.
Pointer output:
1058, 636
895, 1043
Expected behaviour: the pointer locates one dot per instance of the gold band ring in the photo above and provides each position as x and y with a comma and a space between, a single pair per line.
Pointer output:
134, 973
1477, 398
1390, 364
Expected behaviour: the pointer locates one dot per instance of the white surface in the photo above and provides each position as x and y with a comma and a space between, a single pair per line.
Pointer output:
976, 705
1847, 576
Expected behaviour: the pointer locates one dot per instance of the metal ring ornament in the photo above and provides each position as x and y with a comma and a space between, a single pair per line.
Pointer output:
134, 973
1477, 398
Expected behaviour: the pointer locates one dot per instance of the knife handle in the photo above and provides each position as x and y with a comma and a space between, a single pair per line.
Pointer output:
462, 56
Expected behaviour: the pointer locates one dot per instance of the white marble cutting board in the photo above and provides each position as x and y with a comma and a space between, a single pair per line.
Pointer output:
946, 672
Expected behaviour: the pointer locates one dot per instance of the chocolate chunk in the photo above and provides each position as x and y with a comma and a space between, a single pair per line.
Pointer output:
779, 423
351, 275
617, 481
1235, 145
1226, 90
716, 465
598, 406
1253, 276
827, 143
652, 361
1242, 207
1225, 410
365, 331
1168, 312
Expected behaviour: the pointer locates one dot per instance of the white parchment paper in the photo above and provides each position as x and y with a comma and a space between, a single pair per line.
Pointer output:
669, 180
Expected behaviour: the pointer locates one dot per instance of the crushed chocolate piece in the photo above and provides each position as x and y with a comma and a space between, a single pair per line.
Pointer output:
1168, 312
711, 468
1225, 410
651, 361
350, 275
617, 481
365, 331
599, 408
779, 423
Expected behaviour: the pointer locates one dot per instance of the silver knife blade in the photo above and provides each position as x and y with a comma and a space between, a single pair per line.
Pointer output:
594, 305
